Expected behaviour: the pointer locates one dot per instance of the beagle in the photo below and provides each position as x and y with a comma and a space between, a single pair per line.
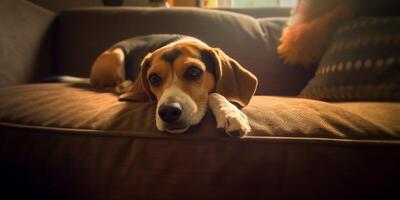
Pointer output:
184, 75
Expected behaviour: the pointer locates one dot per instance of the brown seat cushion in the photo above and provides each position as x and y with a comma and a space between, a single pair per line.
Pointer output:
81, 109
63, 142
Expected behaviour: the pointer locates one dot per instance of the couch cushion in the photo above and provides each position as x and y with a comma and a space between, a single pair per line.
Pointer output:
279, 78
64, 142
81, 109
60, 164
361, 64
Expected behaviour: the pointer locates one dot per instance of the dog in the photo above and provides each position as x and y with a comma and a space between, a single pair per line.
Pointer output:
313, 23
184, 75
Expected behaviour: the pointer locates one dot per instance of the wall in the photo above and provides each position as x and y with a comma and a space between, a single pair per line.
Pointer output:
57, 5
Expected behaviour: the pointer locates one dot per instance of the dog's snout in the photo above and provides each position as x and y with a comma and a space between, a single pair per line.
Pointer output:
170, 112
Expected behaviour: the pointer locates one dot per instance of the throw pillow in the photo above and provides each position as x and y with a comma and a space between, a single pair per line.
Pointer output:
361, 64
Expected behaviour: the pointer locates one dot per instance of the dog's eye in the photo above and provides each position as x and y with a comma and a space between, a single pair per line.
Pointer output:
193, 73
155, 80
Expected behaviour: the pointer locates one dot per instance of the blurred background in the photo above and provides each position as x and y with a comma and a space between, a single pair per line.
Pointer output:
56, 5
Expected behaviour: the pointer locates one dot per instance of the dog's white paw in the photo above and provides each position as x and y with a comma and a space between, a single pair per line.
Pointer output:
233, 121
228, 116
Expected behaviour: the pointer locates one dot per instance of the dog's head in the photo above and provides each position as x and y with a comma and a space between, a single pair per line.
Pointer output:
180, 76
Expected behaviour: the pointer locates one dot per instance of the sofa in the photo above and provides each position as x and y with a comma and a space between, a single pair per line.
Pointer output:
70, 141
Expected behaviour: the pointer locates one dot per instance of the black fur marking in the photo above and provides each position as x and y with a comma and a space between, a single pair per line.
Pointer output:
147, 64
208, 59
170, 56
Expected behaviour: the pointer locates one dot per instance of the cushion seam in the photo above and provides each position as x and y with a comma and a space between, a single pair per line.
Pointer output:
251, 139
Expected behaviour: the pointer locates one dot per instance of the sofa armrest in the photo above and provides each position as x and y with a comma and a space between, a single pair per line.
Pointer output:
25, 42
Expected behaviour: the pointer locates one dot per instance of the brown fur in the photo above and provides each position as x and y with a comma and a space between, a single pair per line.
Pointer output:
105, 71
230, 78
173, 70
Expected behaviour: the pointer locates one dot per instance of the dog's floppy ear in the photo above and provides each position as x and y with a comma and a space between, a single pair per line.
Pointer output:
233, 81
140, 89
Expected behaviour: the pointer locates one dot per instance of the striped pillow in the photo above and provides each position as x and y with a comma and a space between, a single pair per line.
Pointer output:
361, 64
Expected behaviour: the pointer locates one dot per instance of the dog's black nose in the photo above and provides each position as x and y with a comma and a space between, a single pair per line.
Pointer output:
170, 112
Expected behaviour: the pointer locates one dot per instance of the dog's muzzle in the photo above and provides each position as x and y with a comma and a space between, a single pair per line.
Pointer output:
170, 112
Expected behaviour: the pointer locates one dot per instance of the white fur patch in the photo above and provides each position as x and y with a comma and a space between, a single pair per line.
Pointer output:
228, 116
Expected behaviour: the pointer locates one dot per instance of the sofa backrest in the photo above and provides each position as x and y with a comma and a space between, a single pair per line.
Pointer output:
260, 12
84, 33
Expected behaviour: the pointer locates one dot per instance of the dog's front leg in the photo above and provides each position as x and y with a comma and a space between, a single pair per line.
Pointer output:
228, 116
